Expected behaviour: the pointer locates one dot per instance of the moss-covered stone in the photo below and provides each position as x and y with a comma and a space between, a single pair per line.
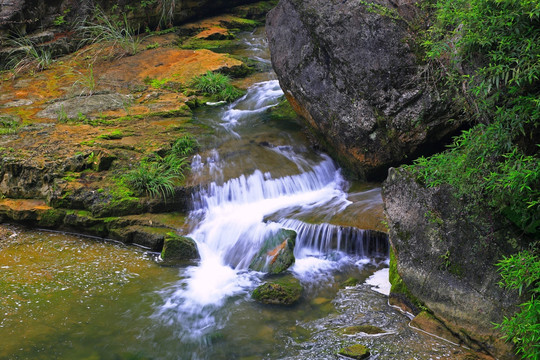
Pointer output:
399, 294
51, 218
350, 282
356, 351
178, 249
284, 291
276, 254
367, 329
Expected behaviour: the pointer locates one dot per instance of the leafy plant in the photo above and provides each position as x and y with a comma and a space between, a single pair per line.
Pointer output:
522, 272
60, 19
184, 146
8, 125
216, 84
152, 178
495, 164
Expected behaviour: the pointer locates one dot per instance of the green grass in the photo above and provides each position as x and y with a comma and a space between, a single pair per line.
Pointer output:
8, 125
157, 176
26, 55
103, 28
217, 85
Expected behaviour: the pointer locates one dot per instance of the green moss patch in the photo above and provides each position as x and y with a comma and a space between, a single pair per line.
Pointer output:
356, 351
367, 329
284, 291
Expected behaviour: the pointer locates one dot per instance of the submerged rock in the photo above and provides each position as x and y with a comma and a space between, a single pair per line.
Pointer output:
367, 329
356, 351
349, 68
276, 254
178, 249
284, 291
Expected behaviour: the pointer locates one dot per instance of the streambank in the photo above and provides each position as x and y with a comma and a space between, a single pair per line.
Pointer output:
73, 131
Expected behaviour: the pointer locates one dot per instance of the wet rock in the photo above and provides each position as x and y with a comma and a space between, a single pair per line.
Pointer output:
350, 70
85, 105
366, 329
443, 255
178, 249
284, 291
276, 254
145, 236
356, 351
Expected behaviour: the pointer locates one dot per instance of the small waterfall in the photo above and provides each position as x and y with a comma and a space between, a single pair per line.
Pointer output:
326, 238
231, 218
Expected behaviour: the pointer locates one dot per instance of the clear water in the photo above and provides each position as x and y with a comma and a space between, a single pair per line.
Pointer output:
67, 297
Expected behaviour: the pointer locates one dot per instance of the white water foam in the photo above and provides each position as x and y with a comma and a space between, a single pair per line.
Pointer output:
231, 223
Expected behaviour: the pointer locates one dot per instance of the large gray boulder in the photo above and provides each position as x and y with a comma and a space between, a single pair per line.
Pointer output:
349, 68
444, 250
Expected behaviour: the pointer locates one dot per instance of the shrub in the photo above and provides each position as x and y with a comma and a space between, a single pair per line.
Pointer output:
522, 272
496, 163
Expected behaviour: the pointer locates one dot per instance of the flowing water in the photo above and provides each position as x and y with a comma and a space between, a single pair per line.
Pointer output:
66, 297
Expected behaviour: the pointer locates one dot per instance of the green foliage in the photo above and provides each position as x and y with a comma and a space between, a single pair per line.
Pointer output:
8, 125
218, 85
184, 146
60, 19
86, 80
522, 272
157, 176
153, 178
496, 163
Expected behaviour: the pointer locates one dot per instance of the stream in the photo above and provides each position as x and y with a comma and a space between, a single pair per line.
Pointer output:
69, 297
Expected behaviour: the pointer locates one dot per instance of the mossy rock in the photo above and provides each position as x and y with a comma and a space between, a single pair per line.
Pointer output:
350, 282
178, 249
285, 291
51, 218
367, 329
356, 351
276, 254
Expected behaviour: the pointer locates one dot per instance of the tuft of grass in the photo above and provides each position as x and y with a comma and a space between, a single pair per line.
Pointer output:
86, 79
217, 85
151, 178
184, 146
104, 29
8, 125
26, 55
157, 176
